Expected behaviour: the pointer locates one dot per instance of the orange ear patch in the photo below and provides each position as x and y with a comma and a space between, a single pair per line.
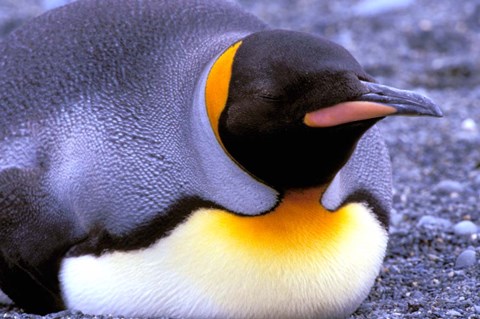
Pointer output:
218, 81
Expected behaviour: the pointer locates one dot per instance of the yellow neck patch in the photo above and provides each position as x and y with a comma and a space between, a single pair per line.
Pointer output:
297, 222
218, 81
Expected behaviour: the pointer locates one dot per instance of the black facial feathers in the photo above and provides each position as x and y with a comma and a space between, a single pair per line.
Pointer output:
277, 77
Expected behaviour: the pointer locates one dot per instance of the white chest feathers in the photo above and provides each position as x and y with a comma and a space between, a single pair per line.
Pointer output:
298, 261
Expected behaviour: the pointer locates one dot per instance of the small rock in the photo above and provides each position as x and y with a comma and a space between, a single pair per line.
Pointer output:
433, 257
465, 227
466, 259
469, 125
429, 221
467, 136
453, 313
477, 309
449, 186
425, 25
396, 218
416, 295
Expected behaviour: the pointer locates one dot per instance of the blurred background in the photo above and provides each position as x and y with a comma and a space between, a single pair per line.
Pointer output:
432, 269
443, 34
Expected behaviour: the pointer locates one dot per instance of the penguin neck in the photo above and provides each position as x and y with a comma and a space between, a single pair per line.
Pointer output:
298, 213
222, 180
300, 198
309, 196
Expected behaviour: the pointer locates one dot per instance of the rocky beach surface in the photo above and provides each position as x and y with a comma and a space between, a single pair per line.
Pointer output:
432, 267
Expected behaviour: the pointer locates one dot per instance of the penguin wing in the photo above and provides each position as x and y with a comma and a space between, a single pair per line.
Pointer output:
365, 178
35, 234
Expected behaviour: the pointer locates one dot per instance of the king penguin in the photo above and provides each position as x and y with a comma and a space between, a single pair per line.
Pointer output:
182, 159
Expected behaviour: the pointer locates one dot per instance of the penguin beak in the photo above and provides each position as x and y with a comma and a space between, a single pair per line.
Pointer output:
380, 101
404, 102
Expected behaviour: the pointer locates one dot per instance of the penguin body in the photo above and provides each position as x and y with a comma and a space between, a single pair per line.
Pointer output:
142, 171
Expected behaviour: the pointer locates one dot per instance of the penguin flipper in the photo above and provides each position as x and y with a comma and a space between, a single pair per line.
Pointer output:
365, 178
35, 235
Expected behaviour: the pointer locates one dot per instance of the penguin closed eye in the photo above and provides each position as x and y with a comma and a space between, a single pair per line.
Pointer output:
182, 159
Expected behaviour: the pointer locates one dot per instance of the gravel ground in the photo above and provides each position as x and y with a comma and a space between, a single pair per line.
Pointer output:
431, 269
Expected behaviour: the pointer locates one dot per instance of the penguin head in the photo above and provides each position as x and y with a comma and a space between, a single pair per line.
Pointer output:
289, 107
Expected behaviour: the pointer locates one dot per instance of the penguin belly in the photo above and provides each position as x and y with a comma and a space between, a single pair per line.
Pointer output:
298, 261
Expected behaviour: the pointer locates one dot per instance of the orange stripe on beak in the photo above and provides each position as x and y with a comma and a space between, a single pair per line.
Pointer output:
347, 112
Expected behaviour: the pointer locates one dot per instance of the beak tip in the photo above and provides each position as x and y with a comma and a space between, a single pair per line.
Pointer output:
438, 112
433, 109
